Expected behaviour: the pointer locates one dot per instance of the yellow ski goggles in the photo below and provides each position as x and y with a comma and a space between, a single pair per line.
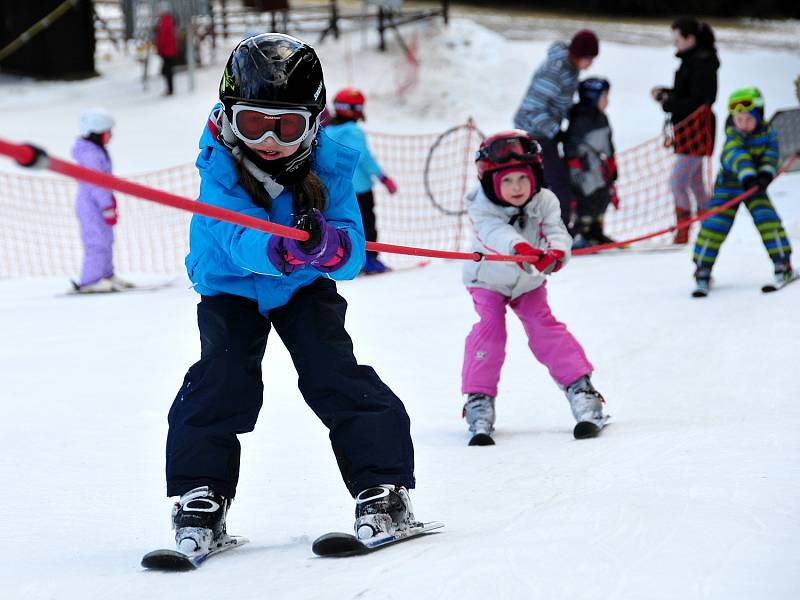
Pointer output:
743, 105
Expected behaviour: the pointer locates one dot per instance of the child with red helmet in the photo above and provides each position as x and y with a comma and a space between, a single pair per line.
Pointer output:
344, 128
513, 214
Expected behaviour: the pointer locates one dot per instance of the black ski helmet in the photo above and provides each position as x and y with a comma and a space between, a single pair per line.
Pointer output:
273, 70
590, 90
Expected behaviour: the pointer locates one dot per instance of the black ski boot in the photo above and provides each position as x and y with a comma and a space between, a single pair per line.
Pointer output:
198, 519
702, 277
383, 510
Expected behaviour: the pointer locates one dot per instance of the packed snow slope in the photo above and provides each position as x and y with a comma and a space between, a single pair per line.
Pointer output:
692, 492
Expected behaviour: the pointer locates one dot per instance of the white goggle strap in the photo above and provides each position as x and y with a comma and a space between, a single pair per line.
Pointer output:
228, 136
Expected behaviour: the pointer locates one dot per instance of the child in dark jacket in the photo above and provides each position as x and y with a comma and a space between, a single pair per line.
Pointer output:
749, 158
262, 154
589, 151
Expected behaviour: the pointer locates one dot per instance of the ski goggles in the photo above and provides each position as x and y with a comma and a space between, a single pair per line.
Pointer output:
744, 105
512, 148
339, 106
254, 124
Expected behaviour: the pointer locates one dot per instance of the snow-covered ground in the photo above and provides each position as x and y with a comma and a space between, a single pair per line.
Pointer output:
691, 493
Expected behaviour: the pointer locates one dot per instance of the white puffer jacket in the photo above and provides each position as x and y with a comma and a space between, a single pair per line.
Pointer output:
541, 227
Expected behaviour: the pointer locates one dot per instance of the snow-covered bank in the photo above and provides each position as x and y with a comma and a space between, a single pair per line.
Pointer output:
691, 493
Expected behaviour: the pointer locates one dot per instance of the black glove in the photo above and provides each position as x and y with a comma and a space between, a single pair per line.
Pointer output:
307, 222
764, 179
749, 182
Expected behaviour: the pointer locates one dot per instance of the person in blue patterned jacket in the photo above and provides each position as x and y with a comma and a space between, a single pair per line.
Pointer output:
749, 159
547, 103
262, 154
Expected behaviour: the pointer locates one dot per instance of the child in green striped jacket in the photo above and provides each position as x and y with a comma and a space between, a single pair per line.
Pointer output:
749, 158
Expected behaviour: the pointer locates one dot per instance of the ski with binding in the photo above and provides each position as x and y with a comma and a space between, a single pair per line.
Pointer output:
172, 560
338, 544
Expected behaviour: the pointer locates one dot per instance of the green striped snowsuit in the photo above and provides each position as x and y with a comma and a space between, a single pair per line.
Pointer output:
743, 155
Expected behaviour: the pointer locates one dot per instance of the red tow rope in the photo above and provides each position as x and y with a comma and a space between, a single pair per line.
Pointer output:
31, 156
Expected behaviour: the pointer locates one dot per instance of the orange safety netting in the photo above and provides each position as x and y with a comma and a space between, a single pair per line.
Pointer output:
39, 233
645, 171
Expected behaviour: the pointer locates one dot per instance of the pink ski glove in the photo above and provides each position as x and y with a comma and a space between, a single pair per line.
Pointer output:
110, 213
390, 185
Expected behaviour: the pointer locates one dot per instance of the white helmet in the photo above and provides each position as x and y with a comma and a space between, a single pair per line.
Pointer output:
94, 120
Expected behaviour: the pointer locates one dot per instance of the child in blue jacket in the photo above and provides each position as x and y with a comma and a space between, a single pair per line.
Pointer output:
344, 128
262, 155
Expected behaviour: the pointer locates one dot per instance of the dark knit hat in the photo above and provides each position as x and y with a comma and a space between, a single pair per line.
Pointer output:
584, 44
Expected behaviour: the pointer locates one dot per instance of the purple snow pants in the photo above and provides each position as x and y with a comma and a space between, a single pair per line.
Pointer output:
98, 241
686, 178
549, 340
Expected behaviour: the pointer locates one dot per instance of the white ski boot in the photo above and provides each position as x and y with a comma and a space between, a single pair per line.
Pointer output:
383, 511
587, 407
479, 414
198, 519
121, 284
102, 286
784, 273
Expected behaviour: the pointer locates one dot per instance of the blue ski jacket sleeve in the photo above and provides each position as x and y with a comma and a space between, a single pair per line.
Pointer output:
231, 259
549, 96
351, 135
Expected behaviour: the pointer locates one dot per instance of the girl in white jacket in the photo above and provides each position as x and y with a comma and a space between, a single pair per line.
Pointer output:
513, 214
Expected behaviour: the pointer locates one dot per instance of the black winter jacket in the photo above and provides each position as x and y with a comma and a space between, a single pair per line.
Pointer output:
588, 143
695, 83
695, 86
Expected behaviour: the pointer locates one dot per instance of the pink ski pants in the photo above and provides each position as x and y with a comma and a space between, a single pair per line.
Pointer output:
549, 340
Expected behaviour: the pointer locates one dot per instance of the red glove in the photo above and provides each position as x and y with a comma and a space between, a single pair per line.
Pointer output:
609, 169
390, 185
550, 262
525, 249
110, 212
612, 197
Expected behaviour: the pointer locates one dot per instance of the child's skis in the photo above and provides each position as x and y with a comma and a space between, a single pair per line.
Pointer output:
779, 285
344, 544
588, 429
172, 560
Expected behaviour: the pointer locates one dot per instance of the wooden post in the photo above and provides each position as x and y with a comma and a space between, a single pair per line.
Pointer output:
224, 20
446, 11
334, 26
212, 18
381, 29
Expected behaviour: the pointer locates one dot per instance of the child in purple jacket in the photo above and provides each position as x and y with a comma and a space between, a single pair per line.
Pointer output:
96, 207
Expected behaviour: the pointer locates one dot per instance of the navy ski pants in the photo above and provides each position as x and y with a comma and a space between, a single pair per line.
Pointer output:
222, 394
366, 204
556, 175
